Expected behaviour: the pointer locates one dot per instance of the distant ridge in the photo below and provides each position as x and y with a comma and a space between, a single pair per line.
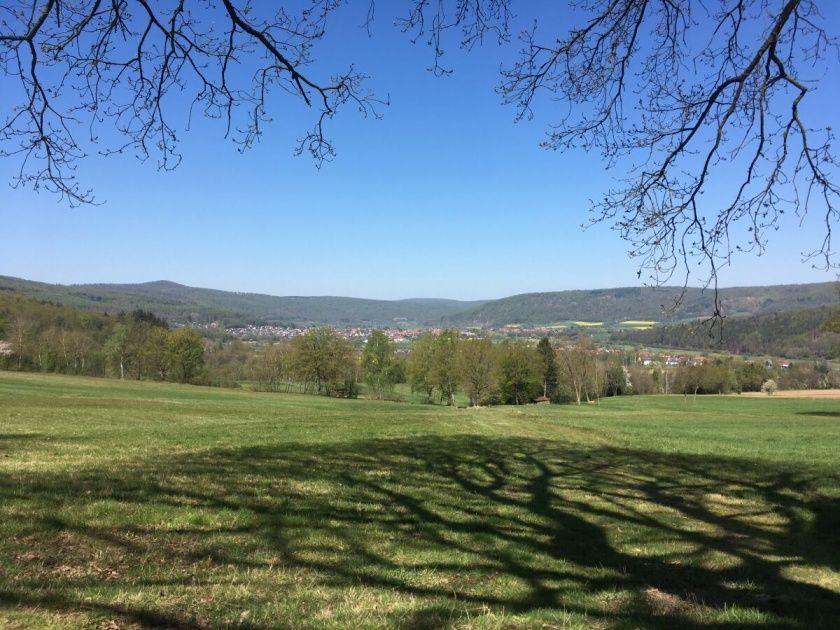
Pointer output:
179, 303
643, 303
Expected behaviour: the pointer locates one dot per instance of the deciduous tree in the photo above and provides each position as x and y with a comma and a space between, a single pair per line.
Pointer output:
378, 363
420, 365
577, 369
322, 358
273, 366
186, 353
477, 361
519, 373
445, 364
116, 349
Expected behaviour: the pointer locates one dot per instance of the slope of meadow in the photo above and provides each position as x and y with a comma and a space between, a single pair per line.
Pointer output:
144, 505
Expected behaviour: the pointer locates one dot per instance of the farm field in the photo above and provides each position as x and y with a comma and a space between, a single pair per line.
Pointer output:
142, 505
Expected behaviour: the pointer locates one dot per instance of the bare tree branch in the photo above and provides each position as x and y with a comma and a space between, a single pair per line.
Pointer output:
707, 104
133, 63
699, 104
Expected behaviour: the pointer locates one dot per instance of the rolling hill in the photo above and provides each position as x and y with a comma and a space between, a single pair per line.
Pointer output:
178, 303
643, 303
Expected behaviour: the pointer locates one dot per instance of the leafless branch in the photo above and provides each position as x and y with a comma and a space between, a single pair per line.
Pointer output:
700, 104
135, 64
707, 103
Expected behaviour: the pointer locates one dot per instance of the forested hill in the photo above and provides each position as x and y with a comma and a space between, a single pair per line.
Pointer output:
642, 303
178, 303
795, 334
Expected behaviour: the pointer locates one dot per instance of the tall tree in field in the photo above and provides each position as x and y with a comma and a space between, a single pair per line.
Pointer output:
81, 345
519, 376
707, 378
116, 349
186, 352
321, 357
547, 367
273, 365
477, 364
378, 363
420, 365
156, 354
20, 334
445, 364
578, 369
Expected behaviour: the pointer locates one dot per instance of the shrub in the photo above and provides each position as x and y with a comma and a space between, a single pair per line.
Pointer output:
769, 387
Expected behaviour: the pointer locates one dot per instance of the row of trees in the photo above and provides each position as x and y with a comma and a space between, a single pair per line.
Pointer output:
438, 367
149, 351
319, 361
508, 372
48, 337
733, 376
45, 337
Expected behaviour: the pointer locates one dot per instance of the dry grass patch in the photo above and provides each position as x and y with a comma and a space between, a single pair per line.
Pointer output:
824, 394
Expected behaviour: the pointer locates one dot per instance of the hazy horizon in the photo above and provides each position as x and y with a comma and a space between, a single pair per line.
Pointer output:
397, 299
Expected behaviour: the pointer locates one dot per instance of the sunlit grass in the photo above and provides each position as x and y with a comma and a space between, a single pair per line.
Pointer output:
146, 505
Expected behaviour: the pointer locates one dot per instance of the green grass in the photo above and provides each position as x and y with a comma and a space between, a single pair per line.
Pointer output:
147, 505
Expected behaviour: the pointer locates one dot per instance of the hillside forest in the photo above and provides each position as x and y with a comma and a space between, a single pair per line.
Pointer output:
444, 366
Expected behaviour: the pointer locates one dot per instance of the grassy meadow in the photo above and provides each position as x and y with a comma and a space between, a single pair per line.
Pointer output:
146, 505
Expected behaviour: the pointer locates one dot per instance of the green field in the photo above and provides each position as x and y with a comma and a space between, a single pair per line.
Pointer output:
147, 505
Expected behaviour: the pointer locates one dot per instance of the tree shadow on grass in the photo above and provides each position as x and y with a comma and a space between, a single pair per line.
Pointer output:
446, 529
821, 414
10, 440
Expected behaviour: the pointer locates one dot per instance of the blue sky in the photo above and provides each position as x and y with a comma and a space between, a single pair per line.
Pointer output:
443, 197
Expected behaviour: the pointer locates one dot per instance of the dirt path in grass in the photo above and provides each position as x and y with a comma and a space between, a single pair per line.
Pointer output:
798, 393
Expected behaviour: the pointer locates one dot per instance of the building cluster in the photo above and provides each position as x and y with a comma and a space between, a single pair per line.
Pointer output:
351, 333
648, 359
404, 336
541, 331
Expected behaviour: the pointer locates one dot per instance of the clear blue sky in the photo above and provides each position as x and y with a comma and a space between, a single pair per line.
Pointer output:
443, 197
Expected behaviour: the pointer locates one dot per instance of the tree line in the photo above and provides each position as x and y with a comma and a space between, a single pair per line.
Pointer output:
439, 367
45, 337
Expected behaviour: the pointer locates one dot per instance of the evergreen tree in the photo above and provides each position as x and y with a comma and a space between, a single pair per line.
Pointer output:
548, 368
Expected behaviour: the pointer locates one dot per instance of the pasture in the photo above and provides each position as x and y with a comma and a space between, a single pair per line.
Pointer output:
145, 505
